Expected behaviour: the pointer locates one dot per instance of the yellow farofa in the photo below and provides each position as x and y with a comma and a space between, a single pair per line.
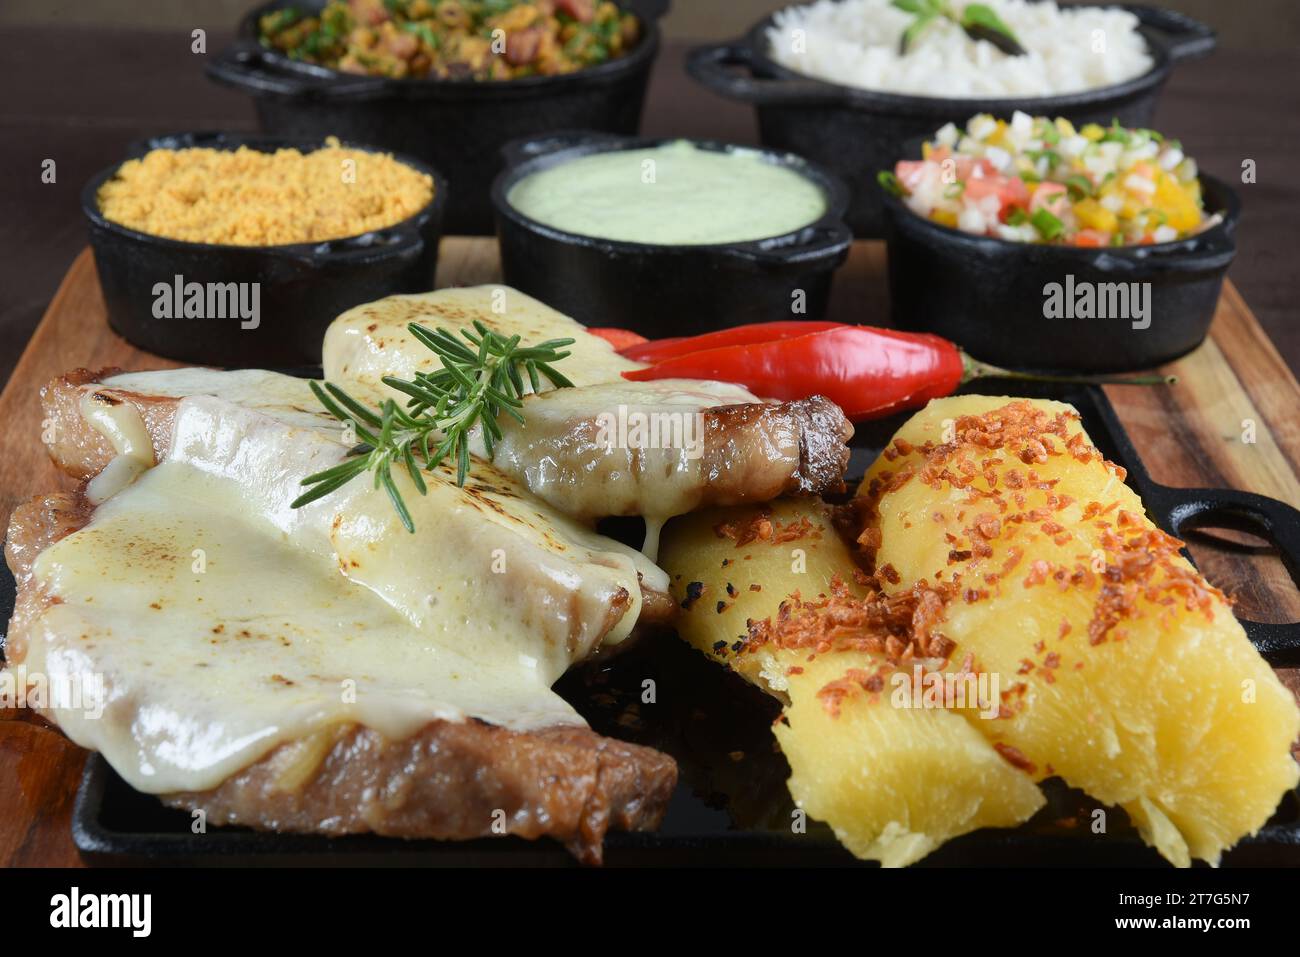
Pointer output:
245, 197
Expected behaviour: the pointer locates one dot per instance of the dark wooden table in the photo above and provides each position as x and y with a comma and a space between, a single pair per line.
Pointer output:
78, 96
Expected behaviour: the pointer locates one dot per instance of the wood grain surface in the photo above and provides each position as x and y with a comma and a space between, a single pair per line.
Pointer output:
1234, 388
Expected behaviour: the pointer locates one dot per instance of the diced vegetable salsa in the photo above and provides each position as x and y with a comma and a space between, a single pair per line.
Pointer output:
1037, 180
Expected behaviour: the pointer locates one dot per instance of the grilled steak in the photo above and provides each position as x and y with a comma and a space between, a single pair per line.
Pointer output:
449, 780
657, 449
236, 637
751, 451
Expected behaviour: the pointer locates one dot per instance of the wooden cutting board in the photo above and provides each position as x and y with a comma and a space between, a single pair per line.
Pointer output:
1230, 422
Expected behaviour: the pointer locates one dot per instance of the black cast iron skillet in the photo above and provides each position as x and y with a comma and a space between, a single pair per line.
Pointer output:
457, 126
729, 812
855, 132
988, 294
660, 290
302, 287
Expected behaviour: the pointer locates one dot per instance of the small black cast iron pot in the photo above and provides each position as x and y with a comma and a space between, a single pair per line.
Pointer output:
661, 290
301, 287
989, 295
856, 132
458, 126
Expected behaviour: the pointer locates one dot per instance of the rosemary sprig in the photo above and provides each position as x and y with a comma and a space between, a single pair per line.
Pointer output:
482, 377
979, 20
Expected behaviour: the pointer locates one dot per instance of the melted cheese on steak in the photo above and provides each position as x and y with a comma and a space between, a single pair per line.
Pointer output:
625, 448
221, 622
654, 462
371, 341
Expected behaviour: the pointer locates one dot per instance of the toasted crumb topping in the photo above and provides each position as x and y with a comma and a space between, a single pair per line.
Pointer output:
900, 628
1019, 430
1144, 566
1015, 757
1004, 503
762, 528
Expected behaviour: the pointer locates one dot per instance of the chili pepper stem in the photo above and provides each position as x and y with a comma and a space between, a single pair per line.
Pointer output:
974, 369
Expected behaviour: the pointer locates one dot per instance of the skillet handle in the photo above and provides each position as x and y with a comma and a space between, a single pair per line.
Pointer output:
243, 65
1183, 509
1182, 37
814, 243
521, 150
711, 67
397, 247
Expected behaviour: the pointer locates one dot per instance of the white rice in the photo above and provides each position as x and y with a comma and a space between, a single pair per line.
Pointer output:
855, 43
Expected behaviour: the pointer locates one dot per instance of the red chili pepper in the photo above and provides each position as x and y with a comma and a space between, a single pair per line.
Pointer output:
620, 339
867, 372
661, 349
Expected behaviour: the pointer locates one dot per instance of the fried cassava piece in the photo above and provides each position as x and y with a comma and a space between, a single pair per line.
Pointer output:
772, 594
1004, 552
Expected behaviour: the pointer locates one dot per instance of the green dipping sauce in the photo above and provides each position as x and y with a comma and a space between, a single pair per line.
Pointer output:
670, 195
